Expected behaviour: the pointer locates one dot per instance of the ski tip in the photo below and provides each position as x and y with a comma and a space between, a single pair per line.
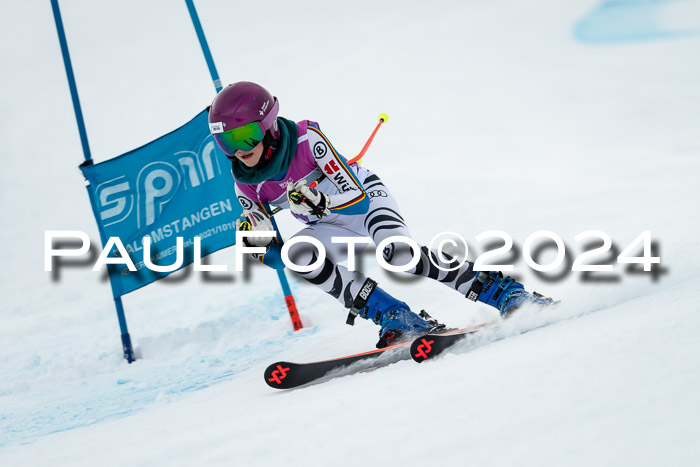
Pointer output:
277, 375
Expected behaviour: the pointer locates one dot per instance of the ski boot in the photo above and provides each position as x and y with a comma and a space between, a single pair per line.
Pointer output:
396, 319
504, 294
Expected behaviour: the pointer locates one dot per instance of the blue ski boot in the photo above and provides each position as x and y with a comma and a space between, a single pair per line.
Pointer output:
504, 294
396, 319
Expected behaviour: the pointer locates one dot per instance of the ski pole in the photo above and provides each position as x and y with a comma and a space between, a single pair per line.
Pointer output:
383, 118
299, 198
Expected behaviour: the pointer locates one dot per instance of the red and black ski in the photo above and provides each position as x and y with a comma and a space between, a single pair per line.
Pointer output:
430, 345
287, 375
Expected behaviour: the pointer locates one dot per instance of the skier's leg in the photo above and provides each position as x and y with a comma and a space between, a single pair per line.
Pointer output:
334, 279
503, 293
384, 220
360, 295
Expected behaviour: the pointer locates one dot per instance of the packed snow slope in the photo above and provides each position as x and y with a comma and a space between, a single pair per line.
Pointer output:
504, 115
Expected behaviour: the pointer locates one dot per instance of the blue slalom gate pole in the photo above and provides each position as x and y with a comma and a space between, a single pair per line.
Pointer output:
71, 81
126, 339
204, 44
288, 297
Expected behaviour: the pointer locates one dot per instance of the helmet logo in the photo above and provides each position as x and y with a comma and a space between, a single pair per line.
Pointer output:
264, 107
217, 127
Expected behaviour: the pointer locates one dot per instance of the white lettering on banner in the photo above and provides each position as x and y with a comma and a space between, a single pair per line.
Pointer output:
208, 159
115, 199
196, 168
187, 165
118, 204
156, 184
186, 223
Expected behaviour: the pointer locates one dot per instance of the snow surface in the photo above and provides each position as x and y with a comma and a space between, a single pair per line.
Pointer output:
502, 117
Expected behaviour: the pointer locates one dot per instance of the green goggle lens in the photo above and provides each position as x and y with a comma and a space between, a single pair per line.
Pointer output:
242, 138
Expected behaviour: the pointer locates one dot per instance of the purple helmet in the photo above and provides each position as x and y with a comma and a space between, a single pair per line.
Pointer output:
241, 114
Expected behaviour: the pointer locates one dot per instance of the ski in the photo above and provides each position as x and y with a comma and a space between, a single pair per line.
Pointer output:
287, 375
431, 345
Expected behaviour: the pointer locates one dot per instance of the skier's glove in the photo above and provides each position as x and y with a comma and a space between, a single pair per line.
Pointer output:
307, 201
252, 221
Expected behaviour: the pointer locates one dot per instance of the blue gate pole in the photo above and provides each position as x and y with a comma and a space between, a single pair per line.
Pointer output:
126, 339
288, 297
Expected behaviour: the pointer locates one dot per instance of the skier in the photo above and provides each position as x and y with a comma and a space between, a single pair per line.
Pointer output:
275, 160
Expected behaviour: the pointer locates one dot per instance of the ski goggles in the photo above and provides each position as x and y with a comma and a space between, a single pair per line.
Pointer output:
242, 138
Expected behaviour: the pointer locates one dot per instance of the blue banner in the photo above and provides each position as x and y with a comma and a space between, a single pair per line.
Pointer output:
179, 185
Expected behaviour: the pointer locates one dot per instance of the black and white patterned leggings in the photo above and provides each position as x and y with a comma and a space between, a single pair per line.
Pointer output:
383, 220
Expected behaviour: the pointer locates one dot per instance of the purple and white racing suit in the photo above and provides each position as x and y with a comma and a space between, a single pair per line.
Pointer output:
361, 206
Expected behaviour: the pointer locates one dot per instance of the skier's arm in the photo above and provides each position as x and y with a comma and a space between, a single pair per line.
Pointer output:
246, 202
255, 218
351, 197
249, 204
